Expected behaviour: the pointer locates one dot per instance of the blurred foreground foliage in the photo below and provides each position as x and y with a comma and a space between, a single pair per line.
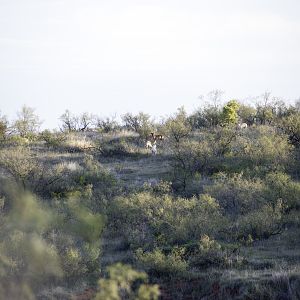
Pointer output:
41, 244
124, 282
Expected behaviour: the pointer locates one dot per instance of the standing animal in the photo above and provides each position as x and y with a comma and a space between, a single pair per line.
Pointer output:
154, 149
242, 125
148, 145
155, 137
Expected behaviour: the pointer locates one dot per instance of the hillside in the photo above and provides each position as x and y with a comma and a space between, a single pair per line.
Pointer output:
214, 214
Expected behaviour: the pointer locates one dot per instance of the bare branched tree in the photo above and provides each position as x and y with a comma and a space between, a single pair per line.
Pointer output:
108, 124
85, 121
70, 122
215, 97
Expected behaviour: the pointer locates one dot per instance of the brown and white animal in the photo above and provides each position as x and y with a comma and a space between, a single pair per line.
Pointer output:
242, 125
148, 145
155, 137
154, 148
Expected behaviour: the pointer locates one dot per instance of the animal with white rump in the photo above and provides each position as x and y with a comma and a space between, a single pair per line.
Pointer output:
152, 147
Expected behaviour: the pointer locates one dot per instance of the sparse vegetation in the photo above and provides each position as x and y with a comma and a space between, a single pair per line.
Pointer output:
28, 123
215, 214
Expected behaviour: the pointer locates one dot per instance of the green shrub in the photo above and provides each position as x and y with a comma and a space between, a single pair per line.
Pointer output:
223, 139
139, 123
28, 259
177, 127
237, 194
16, 140
161, 188
207, 253
118, 147
146, 219
124, 282
188, 158
21, 163
247, 114
3, 127
87, 179
27, 123
160, 263
264, 147
230, 113
262, 223
107, 125
211, 114
53, 139
281, 186
291, 126
40, 243
77, 238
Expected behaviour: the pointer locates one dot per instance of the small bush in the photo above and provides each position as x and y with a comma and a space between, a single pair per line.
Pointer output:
161, 188
87, 179
177, 127
188, 158
54, 139
264, 147
139, 123
124, 282
237, 194
122, 146
3, 127
78, 230
76, 142
281, 186
158, 262
21, 163
27, 123
262, 223
148, 219
207, 253
107, 125
16, 140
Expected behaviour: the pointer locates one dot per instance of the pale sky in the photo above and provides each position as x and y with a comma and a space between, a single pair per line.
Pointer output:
120, 56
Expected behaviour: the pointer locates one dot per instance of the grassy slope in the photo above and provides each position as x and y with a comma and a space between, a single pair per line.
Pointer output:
276, 260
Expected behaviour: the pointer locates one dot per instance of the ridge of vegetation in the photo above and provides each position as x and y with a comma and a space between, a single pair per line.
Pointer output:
87, 212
